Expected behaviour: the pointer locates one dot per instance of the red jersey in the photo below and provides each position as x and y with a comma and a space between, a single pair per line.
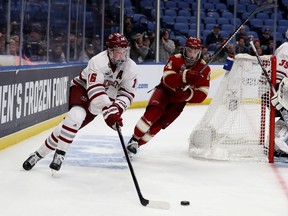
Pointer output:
172, 78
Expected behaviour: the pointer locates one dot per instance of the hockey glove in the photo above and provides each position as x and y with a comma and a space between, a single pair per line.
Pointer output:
181, 95
191, 77
275, 102
112, 115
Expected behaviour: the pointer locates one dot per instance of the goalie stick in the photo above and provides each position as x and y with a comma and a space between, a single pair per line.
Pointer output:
263, 69
144, 202
283, 112
256, 10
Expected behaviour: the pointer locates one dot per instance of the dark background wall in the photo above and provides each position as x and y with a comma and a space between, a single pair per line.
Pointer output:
31, 96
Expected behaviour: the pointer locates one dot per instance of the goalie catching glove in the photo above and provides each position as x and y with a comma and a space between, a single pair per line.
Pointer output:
191, 77
112, 115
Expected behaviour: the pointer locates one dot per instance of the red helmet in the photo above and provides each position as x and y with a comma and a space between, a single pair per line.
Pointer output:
116, 40
117, 48
194, 43
193, 50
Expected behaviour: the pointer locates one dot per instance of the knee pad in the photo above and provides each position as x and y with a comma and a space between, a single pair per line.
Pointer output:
76, 115
153, 113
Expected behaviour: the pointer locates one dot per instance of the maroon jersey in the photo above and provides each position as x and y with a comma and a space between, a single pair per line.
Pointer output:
173, 81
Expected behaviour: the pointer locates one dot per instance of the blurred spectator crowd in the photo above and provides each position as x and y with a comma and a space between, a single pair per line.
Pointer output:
69, 41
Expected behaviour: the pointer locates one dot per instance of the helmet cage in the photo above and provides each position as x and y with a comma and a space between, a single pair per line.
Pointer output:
118, 56
193, 50
192, 55
117, 48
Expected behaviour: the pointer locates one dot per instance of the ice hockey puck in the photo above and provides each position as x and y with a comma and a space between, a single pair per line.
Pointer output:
185, 203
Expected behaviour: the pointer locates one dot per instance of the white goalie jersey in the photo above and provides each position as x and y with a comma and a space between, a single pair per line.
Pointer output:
281, 54
281, 130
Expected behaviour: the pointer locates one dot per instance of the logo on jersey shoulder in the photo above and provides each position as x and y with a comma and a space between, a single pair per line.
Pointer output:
83, 98
108, 74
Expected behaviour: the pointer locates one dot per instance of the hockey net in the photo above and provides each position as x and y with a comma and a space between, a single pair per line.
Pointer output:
236, 125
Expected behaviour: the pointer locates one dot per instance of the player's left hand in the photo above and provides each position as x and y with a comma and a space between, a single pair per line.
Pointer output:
181, 95
112, 116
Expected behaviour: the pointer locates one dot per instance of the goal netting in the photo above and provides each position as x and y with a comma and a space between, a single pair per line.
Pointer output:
236, 124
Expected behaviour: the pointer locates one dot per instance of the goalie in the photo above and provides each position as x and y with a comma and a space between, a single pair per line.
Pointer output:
181, 83
280, 100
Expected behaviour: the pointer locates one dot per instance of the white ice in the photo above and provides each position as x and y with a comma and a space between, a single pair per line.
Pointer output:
95, 180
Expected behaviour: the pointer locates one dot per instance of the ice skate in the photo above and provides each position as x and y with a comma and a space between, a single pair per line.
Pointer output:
31, 161
57, 160
132, 147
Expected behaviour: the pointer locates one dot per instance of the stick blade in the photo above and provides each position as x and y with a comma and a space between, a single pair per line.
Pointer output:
158, 204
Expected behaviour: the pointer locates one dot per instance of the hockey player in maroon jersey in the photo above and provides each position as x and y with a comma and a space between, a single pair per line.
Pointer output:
106, 86
180, 84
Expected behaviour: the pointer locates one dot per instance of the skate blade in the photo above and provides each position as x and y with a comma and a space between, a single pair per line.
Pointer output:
53, 172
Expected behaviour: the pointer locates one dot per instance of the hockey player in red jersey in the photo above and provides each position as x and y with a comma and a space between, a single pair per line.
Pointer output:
106, 86
180, 84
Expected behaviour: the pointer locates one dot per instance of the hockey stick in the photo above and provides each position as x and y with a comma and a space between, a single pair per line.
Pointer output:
180, 34
263, 69
256, 10
144, 202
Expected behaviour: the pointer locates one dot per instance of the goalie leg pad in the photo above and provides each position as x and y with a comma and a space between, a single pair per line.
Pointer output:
281, 139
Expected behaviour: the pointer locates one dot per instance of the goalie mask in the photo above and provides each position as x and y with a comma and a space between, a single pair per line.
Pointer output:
117, 48
193, 49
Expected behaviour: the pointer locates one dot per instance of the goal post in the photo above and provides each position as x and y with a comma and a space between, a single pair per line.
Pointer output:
239, 122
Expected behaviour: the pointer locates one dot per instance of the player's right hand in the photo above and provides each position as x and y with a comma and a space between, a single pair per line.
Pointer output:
112, 116
191, 77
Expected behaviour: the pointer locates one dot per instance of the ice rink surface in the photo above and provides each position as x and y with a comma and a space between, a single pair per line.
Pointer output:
95, 180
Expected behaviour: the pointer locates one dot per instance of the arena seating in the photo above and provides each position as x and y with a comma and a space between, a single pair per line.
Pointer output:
221, 13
